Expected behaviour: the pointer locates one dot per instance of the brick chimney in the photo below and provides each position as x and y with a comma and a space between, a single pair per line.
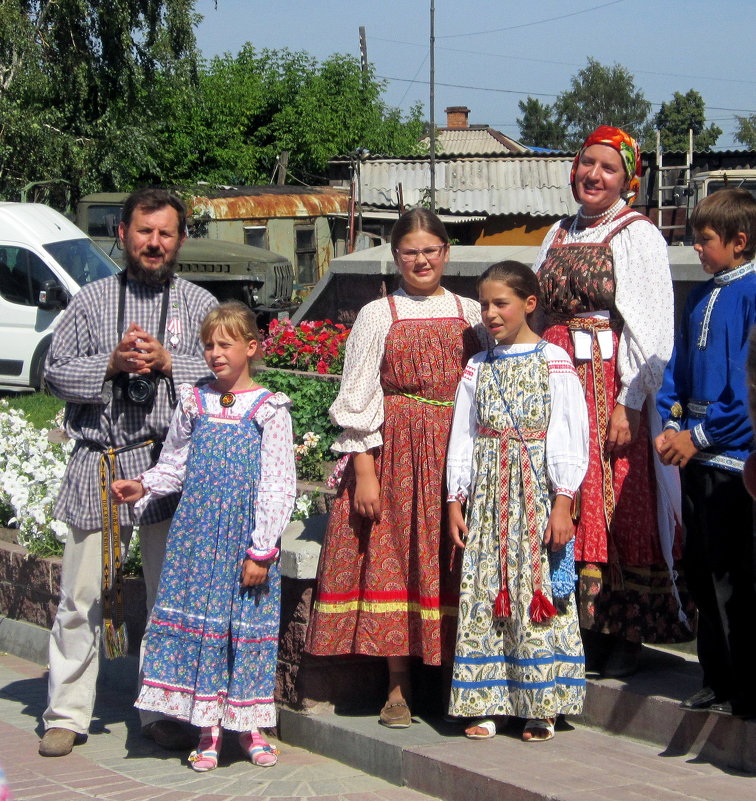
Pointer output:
456, 117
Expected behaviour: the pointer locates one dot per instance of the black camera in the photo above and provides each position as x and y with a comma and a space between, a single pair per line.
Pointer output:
141, 389
137, 389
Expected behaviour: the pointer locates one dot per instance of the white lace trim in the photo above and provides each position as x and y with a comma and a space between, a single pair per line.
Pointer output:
184, 706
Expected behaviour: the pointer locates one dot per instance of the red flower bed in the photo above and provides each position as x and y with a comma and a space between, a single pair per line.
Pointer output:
314, 346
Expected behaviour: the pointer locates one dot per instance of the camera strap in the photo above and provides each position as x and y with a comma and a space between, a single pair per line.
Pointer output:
122, 308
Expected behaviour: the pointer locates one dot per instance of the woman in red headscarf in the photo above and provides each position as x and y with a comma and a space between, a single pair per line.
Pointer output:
608, 301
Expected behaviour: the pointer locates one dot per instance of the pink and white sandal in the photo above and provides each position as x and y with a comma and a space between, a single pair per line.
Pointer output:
205, 760
205, 757
260, 752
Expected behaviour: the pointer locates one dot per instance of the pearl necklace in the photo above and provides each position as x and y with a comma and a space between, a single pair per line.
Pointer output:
592, 230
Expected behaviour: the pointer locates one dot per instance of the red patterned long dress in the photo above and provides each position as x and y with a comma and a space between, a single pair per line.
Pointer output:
387, 589
625, 584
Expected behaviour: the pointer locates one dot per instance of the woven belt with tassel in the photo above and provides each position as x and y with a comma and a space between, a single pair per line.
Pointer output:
593, 325
114, 635
541, 608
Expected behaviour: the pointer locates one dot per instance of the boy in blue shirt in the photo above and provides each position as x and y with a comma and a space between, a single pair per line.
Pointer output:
707, 432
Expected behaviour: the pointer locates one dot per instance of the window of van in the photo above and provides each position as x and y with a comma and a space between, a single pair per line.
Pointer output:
82, 260
22, 274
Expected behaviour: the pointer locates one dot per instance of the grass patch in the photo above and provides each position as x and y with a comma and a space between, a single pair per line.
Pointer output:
40, 407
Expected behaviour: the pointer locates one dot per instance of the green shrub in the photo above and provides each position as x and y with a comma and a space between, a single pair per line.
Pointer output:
310, 399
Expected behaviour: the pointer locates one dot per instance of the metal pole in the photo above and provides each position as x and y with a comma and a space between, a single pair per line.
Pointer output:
359, 192
363, 55
433, 106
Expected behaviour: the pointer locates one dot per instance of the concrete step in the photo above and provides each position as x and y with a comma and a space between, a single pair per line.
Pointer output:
645, 707
580, 764
632, 742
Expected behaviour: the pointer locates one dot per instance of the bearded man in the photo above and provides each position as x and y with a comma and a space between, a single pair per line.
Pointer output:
119, 351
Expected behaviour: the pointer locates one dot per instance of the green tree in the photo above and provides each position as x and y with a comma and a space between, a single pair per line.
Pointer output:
683, 113
251, 107
77, 80
538, 125
601, 95
745, 133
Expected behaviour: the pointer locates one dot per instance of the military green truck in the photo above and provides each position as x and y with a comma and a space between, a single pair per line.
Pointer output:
231, 271
706, 183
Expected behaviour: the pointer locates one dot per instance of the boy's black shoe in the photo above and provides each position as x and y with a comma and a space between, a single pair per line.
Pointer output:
702, 699
623, 659
723, 707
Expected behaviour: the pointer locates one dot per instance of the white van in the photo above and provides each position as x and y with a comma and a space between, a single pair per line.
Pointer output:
44, 260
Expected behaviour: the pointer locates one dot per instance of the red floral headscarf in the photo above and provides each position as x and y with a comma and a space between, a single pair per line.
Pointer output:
629, 152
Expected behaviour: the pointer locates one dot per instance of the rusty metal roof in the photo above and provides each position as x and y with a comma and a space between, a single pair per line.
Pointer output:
534, 186
269, 202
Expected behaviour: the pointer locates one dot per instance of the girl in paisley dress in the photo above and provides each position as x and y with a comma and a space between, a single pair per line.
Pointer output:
212, 641
517, 454
385, 587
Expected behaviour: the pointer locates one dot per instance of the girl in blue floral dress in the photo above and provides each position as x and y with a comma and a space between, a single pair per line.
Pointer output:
212, 641
517, 454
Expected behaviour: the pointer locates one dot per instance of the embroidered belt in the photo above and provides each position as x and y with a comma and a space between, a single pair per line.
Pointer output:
513, 433
697, 408
593, 325
114, 637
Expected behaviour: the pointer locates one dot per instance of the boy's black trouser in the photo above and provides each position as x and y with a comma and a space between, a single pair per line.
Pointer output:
720, 567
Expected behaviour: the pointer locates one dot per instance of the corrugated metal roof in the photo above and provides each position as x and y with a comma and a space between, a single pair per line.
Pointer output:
270, 202
538, 186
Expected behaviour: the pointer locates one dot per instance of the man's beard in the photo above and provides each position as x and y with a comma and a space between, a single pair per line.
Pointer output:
152, 278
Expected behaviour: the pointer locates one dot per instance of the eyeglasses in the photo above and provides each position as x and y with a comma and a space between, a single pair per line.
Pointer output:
431, 253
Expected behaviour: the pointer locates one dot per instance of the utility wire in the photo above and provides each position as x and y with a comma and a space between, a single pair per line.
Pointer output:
530, 24
566, 63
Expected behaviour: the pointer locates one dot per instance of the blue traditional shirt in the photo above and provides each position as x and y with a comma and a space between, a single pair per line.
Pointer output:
704, 387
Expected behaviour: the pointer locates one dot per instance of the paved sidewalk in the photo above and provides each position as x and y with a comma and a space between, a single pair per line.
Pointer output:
117, 764
581, 764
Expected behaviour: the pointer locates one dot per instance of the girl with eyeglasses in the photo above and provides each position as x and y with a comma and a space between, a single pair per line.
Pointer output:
385, 583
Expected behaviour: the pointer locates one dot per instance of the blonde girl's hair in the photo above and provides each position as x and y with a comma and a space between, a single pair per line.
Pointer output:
238, 320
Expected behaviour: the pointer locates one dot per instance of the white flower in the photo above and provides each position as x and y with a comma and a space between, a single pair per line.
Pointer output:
303, 506
31, 469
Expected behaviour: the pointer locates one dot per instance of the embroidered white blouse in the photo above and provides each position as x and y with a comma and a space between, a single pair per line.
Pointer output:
566, 436
358, 408
277, 488
644, 299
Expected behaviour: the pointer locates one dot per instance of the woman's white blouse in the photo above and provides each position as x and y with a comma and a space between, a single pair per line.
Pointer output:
645, 301
566, 436
358, 408
276, 489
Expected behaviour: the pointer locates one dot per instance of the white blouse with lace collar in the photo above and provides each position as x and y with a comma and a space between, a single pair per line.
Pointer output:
276, 490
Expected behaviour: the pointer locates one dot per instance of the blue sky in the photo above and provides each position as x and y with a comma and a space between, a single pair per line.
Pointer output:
492, 53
